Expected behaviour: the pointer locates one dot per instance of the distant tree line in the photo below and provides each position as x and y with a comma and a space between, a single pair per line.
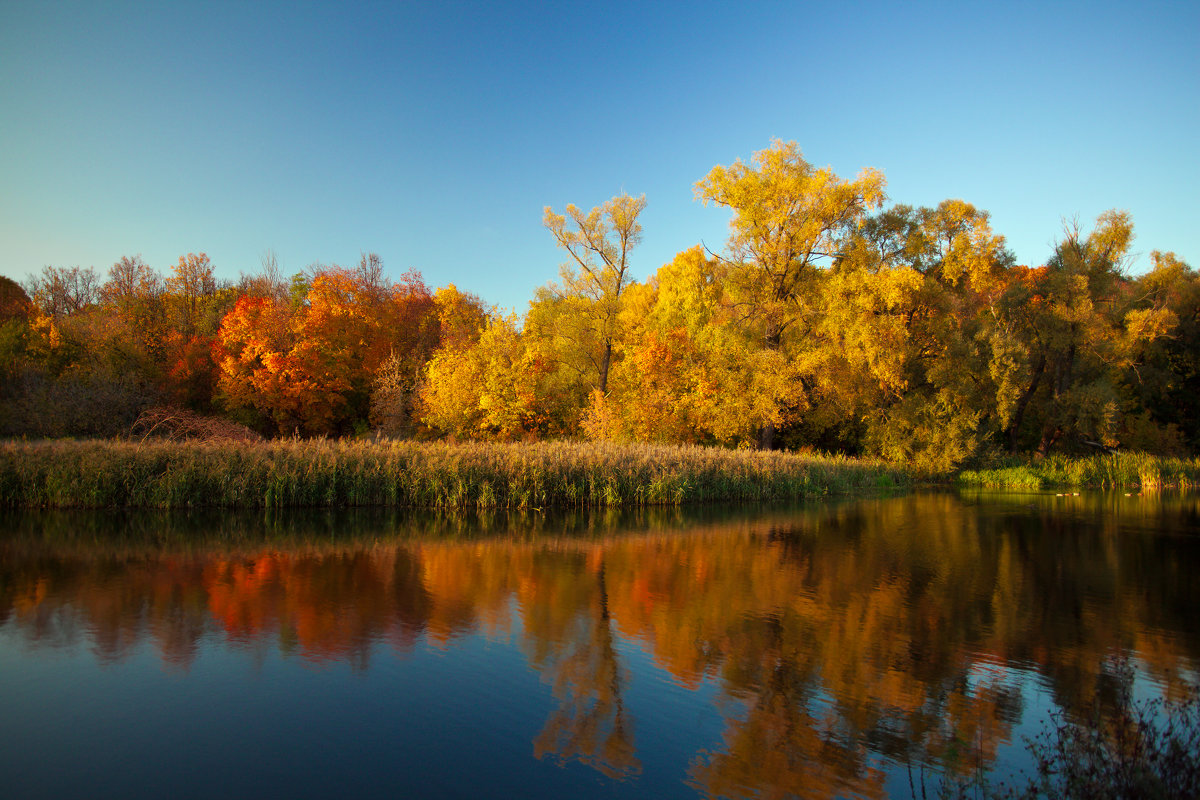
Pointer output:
829, 321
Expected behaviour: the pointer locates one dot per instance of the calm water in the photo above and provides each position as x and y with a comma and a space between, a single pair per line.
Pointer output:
842, 649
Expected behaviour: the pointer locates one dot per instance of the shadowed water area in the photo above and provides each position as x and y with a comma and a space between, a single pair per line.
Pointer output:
858, 648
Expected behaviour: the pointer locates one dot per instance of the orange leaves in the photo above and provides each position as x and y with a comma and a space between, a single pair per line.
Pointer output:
265, 364
310, 365
191, 372
661, 407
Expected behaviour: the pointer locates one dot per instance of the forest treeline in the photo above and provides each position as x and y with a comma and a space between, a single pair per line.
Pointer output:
830, 320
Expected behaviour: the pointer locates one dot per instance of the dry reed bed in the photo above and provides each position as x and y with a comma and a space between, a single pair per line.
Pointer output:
98, 474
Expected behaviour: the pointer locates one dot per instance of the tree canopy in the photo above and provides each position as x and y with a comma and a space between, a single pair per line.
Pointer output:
830, 320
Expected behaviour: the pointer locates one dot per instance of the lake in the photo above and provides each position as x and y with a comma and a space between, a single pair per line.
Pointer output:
848, 648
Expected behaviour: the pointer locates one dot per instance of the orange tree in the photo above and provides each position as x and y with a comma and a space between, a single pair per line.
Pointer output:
308, 364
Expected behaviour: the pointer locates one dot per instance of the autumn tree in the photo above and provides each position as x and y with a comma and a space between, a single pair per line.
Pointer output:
595, 278
498, 387
1166, 382
905, 344
14, 302
789, 219
61, 291
461, 320
310, 364
1078, 327
130, 281
268, 281
688, 372
15, 309
191, 282
253, 355
78, 367
134, 294
195, 304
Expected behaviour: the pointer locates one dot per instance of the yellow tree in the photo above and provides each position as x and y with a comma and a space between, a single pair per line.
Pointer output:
687, 371
190, 283
460, 319
130, 281
905, 345
493, 389
595, 278
1167, 381
461, 316
790, 218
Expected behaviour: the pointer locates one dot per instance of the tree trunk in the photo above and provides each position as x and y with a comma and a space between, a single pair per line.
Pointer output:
604, 363
1023, 403
1050, 435
766, 437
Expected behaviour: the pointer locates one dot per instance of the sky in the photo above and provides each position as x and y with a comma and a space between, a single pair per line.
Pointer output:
434, 134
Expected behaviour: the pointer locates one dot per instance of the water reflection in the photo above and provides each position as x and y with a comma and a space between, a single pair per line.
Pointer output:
840, 638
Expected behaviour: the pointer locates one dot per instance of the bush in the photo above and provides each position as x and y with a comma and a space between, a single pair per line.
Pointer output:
1146, 750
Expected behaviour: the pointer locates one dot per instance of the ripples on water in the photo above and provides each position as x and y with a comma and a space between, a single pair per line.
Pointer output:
842, 649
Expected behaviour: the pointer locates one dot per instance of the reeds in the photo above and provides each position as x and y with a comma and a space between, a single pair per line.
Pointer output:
1113, 471
324, 473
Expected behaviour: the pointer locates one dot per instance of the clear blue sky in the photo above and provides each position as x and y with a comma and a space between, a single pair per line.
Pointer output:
435, 133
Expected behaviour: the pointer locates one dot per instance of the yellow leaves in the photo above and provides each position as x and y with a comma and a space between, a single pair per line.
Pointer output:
1111, 239
962, 246
43, 326
788, 219
600, 422
1170, 282
492, 389
690, 294
461, 317
192, 279
594, 281
1148, 324
785, 209
598, 243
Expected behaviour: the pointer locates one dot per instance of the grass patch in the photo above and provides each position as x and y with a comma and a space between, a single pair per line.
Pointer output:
321, 473
1022, 477
1115, 471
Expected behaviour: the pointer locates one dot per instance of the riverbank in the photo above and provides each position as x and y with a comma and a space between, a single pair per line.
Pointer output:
1111, 471
320, 473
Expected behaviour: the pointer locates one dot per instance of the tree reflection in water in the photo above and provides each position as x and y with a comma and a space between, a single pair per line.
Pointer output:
839, 638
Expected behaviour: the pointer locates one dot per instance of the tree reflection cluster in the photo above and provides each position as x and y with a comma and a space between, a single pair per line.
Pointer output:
838, 637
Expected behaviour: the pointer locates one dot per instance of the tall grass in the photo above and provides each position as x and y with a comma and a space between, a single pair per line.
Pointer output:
1118, 470
431, 475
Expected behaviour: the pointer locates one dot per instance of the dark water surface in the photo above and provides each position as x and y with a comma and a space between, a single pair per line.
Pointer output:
850, 648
